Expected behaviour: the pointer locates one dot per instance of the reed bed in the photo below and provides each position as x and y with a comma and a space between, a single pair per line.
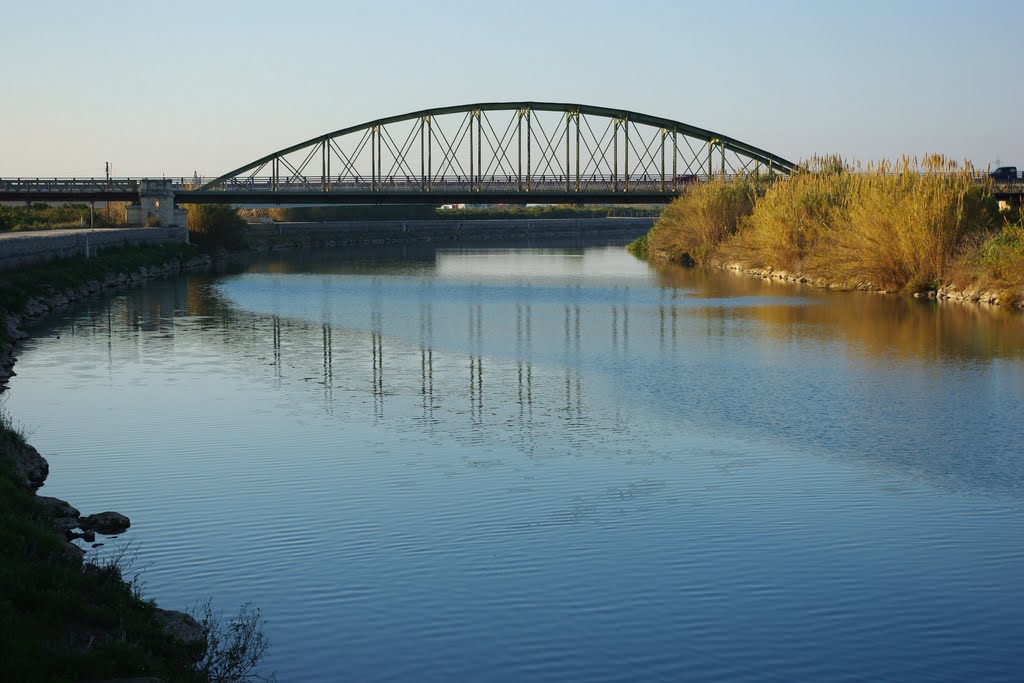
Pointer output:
785, 228
692, 227
905, 227
911, 226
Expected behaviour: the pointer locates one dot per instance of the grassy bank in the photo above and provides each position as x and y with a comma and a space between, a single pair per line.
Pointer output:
904, 227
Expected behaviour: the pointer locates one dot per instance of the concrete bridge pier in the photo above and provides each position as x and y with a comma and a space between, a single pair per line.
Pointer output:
156, 202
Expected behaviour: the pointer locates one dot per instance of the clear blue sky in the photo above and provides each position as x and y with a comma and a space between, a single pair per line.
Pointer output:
176, 87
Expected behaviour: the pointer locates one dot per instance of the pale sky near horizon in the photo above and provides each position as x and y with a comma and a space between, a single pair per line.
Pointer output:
176, 87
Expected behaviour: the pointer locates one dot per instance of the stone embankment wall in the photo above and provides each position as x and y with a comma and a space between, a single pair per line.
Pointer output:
18, 249
378, 232
38, 307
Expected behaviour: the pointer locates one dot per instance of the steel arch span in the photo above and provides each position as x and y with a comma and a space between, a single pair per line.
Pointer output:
539, 152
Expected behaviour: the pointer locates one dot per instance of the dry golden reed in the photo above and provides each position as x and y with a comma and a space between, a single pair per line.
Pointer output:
787, 223
893, 226
692, 226
904, 226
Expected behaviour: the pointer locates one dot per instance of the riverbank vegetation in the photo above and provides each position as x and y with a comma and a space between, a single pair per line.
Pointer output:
40, 216
215, 226
895, 227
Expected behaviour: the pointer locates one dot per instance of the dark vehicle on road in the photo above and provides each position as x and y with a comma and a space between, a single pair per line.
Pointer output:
1004, 173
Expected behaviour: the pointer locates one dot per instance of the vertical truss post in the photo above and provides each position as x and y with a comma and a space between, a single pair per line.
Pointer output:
423, 157
663, 134
722, 145
529, 144
568, 119
471, 151
577, 151
479, 153
328, 143
711, 149
519, 150
275, 174
373, 159
625, 147
430, 153
380, 162
615, 155
675, 159
323, 166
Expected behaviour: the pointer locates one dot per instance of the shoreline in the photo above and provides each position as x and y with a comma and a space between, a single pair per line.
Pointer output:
36, 308
56, 524
946, 293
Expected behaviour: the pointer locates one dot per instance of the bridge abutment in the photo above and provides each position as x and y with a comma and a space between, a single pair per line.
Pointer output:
156, 203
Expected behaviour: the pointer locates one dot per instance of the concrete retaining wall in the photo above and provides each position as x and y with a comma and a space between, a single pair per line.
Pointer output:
18, 249
353, 232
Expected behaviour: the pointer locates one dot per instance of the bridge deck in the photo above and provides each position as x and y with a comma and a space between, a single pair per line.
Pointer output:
387, 190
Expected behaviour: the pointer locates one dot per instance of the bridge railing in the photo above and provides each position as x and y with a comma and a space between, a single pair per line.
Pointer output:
66, 185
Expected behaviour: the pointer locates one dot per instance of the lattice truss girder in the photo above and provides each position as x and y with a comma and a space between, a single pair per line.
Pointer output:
518, 148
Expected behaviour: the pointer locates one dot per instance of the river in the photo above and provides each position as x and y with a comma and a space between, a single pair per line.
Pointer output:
499, 463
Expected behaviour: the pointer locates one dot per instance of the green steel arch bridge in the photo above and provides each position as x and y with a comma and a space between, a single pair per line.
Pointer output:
497, 152
485, 153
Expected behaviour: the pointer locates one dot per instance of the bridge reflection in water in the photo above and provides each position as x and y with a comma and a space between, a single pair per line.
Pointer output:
467, 359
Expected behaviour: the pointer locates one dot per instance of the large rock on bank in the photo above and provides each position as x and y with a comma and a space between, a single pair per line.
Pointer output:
32, 467
184, 631
105, 523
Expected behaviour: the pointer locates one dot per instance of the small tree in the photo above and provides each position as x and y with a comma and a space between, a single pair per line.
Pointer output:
235, 647
215, 226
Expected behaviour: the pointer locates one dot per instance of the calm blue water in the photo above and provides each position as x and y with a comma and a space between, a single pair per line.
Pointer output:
505, 464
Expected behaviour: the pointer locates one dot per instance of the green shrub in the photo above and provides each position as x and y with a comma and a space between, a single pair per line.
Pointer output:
638, 247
